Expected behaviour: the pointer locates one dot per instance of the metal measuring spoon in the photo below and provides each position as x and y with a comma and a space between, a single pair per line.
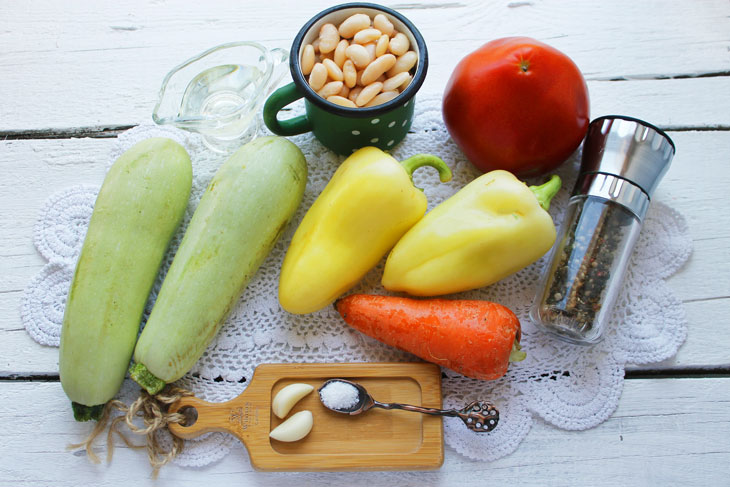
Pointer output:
478, 416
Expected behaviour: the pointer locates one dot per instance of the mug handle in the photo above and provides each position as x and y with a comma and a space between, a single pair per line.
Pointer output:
278, 100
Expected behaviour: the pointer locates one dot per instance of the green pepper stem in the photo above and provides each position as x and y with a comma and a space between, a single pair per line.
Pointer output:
516, 354
546, 191
146, 379
420, 160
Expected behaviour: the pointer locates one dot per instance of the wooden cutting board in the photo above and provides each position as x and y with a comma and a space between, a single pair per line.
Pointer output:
375, 440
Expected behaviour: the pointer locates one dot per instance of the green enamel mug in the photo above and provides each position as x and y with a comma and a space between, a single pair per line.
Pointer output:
343, 129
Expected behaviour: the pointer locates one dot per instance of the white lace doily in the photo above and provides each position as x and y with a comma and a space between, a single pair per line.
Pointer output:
571, 387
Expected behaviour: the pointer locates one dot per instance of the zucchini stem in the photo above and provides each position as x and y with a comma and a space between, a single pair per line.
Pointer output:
87, 413
146, 379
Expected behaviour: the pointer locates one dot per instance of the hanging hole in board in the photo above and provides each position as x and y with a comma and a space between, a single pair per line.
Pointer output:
191, 415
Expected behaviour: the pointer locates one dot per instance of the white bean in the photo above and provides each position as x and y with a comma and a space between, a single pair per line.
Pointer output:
367, 35
318, 77
382, 45
315, 45
404, 63
358, 54
394, 82
377, 68
334, 71
368, 93
342, 101
339, 56
331, 89
382, 98
307, 62
370, 48
354, 93
399, 44
384, 25
328, 38
344, 92
353, 24
406, 83
349, 73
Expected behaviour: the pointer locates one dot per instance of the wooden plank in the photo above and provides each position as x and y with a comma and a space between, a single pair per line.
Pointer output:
104, 65
671, 104
664, 432
34, 169
32, 172
695, 185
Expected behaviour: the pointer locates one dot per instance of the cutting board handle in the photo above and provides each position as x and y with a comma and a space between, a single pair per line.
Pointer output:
210, 417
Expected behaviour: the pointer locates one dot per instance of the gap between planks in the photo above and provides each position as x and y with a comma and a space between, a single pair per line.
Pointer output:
113, 131
679, 373
646, 77
96, 132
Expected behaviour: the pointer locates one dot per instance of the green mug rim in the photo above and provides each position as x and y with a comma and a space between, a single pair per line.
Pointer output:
362, 112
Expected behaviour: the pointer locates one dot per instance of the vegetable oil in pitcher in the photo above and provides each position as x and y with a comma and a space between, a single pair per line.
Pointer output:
219, 92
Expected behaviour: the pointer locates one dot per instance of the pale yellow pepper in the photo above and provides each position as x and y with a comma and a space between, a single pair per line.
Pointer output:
369, 203
491, 228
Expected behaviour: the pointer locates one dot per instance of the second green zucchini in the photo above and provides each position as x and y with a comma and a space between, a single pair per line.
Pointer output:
239, 219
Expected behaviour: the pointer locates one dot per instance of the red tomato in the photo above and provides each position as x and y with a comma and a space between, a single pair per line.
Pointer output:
516, 104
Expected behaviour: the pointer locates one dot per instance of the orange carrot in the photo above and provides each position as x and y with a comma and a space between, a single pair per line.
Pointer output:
475, 338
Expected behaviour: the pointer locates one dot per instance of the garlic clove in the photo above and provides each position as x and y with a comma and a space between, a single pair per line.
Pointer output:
286, 398
294, 428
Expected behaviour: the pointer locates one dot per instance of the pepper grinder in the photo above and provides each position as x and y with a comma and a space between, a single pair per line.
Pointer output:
623, 161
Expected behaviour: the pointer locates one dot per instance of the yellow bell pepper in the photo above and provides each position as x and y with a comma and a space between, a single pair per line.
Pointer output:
369, 203
491, 228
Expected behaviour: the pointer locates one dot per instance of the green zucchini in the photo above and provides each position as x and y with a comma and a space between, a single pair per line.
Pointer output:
240, 216
140, 204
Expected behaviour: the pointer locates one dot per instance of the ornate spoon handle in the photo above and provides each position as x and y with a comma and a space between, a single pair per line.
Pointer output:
478, 416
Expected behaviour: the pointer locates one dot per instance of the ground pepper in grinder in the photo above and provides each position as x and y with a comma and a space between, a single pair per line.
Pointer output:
623, 161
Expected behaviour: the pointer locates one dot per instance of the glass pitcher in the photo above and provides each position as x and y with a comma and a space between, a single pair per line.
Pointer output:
219, 92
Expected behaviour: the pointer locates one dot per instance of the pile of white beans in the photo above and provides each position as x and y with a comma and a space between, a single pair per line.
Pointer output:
362, 63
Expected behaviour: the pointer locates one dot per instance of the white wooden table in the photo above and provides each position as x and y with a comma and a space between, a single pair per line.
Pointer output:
73, 75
